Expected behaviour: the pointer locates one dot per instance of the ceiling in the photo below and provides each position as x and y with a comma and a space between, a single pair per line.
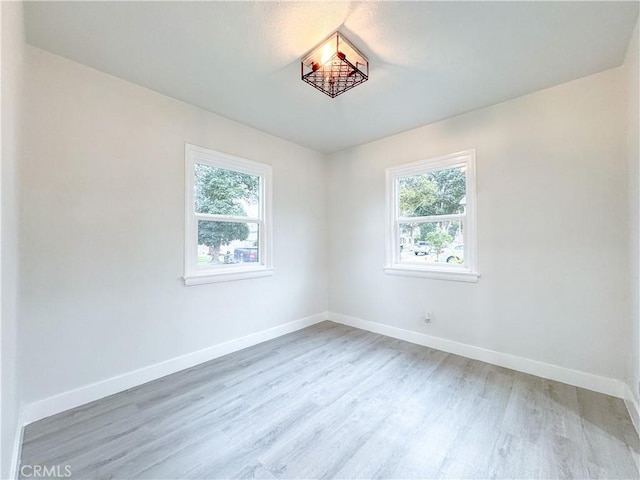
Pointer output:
428, 60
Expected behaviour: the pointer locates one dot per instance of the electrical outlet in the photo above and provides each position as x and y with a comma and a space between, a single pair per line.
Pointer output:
427, 317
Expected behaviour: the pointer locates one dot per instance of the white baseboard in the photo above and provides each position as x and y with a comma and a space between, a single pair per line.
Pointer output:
74, 398
633, 407
17, 444
576, 378
634, 413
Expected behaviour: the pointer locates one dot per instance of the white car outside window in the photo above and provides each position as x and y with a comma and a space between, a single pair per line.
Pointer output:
452, 254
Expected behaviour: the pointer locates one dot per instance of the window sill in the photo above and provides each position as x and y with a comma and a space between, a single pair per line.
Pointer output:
230, 276
452, 275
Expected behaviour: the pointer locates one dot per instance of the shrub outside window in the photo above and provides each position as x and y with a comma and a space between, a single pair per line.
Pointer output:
227, 228
431, 218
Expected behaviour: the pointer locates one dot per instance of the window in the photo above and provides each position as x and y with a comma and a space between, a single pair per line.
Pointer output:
227, 217
431, 218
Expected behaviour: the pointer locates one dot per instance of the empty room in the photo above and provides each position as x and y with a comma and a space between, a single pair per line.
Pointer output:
304, 240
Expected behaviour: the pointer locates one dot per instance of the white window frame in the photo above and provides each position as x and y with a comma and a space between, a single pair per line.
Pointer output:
464, 273
194, 275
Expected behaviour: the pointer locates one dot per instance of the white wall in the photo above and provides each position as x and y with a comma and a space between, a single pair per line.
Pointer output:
102, 241
552, 229
102, 230
633, 86
11, 92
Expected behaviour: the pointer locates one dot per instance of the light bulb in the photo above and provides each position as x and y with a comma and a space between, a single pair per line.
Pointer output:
327, 53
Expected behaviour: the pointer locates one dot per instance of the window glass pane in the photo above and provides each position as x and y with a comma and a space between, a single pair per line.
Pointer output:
432, 243
225, 192
442, 192
227, 242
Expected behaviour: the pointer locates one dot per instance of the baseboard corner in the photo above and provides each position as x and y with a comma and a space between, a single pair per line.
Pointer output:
634, 412
18, 436
632, 405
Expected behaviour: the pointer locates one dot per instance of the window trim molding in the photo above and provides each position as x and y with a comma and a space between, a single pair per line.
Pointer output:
444, 272
223, 273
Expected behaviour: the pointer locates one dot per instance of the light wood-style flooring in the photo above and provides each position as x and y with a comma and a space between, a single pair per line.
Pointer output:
331, 401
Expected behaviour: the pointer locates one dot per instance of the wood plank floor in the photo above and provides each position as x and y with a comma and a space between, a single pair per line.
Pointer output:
331, 401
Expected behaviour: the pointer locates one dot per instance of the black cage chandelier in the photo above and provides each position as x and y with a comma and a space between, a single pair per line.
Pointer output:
335, 66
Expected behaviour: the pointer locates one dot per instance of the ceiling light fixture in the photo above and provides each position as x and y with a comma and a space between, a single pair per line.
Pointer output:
335, 66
